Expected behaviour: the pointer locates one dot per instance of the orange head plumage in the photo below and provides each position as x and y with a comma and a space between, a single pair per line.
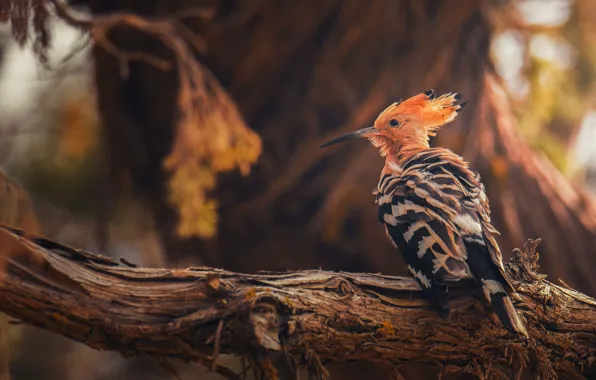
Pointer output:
405, 127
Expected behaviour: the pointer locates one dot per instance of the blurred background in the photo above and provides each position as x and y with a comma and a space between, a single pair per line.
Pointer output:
194, 141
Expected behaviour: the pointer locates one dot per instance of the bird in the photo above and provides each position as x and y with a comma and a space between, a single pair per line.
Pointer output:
434, 208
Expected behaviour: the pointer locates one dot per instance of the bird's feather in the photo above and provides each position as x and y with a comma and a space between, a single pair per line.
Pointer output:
436, 213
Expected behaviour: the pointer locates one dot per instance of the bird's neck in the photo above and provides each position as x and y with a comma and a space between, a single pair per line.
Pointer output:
398, 153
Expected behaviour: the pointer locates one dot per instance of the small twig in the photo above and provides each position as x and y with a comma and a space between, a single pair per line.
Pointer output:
256, 370
66, 13
316, 369
439, 374
563, 283
163, 29
128, 263
200, 13
289, 358
293, 364
217, 345
195, 41
168, 366
80, 45
220, 369
396, 374
99, 35
245, 367
207, 362
268, 370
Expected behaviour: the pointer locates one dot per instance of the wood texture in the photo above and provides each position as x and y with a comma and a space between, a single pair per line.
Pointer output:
197, 313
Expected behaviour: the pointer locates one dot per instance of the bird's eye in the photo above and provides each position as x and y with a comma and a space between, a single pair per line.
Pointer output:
393, 122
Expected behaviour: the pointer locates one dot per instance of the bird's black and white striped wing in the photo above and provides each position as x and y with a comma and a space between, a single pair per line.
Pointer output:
472, 217
462, 192
419, 220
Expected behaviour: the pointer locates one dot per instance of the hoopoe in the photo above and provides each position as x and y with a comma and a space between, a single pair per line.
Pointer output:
433, 207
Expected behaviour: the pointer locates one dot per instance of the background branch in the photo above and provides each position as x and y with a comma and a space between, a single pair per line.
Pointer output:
196, 314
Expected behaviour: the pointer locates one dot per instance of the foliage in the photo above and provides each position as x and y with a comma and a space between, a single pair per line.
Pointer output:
211, 137
20, 13
552, 90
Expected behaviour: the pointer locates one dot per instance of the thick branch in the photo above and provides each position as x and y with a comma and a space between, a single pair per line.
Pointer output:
197, 313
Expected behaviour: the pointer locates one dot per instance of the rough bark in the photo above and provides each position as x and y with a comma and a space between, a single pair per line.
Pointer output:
199, 313
16, 209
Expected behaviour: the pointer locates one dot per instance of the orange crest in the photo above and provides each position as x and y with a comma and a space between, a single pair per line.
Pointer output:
424, 111
406, 126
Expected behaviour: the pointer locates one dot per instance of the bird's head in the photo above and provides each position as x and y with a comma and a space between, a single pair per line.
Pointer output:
407, 126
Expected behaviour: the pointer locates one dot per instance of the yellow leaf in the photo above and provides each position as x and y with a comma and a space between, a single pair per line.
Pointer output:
211, 137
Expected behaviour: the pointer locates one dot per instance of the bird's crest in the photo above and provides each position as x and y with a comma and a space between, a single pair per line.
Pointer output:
425, 111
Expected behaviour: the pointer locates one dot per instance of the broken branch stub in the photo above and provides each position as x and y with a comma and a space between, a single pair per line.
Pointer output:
307, 317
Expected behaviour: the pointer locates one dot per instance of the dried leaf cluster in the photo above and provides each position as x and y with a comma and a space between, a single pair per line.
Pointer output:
210, 135
211, 138
21, 13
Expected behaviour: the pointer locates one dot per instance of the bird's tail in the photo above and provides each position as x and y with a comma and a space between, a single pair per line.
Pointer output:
503, 307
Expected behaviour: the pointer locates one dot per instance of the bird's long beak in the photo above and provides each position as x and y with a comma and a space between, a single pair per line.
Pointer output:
364, 132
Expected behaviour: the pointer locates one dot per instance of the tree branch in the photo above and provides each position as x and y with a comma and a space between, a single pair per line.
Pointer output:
196, 314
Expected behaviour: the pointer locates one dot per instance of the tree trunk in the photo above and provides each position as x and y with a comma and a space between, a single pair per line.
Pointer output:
306, 71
